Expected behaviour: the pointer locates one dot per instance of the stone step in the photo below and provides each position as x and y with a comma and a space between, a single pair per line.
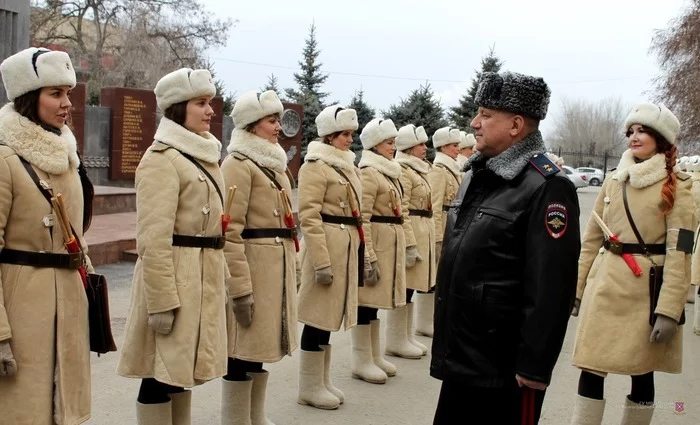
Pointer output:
112, 200
130, 256
109, 236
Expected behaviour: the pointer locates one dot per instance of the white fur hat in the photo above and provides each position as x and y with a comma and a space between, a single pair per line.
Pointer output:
377, 131
410, 136
34, 68
694, 164
467, 140
335, 118
182, 85
446, 136
253, 106
657, 117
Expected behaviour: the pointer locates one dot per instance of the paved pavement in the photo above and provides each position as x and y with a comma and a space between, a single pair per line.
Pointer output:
408, 398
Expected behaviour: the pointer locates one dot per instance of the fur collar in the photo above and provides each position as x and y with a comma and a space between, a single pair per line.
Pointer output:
388, 167
203, 146
261, 151
513, 160
462, 161
642, 174
451, 164
43, 149
331, 155
417, 164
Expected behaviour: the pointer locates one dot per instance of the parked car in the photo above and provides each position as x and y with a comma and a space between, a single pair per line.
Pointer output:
579, 180
594, 176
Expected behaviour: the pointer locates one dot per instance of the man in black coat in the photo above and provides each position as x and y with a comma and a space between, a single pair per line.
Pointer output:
507, 276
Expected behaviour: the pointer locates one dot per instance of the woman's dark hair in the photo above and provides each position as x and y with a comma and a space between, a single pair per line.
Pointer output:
177, 113
329, 137
27, 105
668, 191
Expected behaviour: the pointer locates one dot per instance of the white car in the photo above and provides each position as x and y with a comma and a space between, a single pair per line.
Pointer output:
578, 179
594, 176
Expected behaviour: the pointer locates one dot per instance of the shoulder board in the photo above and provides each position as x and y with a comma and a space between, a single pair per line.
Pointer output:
311, 160
682, 176
239, 156
544, 165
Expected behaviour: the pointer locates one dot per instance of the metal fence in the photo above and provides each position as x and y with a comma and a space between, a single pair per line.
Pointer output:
604, 161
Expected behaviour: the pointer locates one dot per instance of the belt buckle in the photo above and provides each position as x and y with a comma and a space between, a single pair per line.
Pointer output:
75, 260
220, 242
616, 247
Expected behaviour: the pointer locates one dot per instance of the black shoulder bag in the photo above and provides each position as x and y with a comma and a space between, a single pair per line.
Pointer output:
101, 339
656, 273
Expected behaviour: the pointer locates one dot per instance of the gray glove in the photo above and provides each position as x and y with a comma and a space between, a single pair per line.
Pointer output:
664, 329
577, 307
324, 276
162, 323
8, 365
372, 275
412, 256
438, 250
243, 309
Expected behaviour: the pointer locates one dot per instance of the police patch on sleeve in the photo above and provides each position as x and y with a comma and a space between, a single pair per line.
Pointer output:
556, 220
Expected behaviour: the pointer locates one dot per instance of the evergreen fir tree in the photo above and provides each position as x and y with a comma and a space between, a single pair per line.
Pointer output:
272, 85
462, 114
420, 108
229, 97
308, 93
365, 114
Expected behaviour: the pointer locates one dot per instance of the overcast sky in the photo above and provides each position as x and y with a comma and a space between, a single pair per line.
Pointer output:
589, 50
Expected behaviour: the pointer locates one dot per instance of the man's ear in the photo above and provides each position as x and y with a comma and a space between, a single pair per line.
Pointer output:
518, 125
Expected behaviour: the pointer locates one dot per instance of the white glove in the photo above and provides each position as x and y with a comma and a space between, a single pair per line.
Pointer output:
243, 309
664, 329
162, 323
8, 365
412, 256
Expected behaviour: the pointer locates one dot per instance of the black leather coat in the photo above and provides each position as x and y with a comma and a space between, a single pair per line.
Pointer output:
507, 276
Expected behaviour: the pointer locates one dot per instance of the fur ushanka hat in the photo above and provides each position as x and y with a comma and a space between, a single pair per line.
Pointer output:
517, 93
34, 68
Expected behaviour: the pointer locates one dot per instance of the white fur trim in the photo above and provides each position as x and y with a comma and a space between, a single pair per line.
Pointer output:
445, 136
658, 117
203, 146
410, 136
45, 150
385, 166
417, 164
377, 131
329, 121
462, 161
251, 107
330, 155
441, 158
53, 68
557, 160
266, 154
183, 84
467, 140
645, 173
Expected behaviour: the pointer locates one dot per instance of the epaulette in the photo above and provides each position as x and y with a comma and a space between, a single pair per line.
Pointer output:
311, 160
239, 156
682, 176
544, 165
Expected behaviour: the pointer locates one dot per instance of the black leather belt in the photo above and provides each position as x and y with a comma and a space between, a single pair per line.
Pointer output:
341, 219
42, 259
421, 213
388, 219
278, 232
211, 242
446, 208
620, 248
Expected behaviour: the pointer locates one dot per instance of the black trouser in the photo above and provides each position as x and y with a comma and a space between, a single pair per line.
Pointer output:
592, 386
366, 314
238, 369
461, 404
409, 295
155, 392
312, 338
